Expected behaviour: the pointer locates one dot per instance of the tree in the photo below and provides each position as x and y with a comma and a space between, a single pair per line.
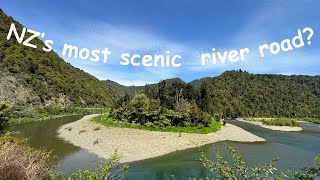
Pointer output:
4, 110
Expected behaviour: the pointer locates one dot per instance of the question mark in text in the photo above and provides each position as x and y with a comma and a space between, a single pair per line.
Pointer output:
307, 29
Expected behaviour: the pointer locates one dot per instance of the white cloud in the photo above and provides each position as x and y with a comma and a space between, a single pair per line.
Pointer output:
262, 28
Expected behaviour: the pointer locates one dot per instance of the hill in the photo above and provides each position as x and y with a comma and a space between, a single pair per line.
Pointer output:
33, 77
121, 89
240, 93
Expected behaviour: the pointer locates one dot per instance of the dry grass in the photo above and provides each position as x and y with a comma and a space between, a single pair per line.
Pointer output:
23, 163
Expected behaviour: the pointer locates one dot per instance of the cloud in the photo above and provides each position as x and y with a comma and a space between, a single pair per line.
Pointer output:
263, 27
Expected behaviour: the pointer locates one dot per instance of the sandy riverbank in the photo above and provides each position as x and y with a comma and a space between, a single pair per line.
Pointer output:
134, 144
276, 128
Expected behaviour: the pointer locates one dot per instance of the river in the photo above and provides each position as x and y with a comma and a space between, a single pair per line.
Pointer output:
295, 150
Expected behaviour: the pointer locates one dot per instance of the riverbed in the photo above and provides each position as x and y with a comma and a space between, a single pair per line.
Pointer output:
289, 147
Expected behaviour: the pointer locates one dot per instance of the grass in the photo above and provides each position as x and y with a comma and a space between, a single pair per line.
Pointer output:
281, 122
276, 121
106, 120
312, 120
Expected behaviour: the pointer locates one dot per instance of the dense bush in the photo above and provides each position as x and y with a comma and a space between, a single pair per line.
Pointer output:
4, 111
145, 111
49, 77
241, 94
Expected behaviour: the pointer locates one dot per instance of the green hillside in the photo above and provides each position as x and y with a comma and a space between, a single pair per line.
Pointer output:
131, 90
238, 93
34, 77
241, 94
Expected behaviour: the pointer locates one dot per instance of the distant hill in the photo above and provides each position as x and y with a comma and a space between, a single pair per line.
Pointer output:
33, 77
197, 83
131, 90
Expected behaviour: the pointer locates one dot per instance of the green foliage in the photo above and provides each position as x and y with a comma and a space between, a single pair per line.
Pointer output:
47, 75
4, 111
109, 121
308, 172
130, 90
281, 122
150, 113
240, 94
312, 120
25, 114
223, 169
111, 170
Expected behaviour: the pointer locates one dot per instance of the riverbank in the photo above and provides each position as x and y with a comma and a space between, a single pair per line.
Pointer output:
135, 145
276, 128
47, 113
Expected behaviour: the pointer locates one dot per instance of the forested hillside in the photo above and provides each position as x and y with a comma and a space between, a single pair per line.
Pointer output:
241, 94
34, 77
123, 89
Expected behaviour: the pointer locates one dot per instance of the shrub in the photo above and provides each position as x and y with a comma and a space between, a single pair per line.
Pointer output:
19, 161
281, 122
222, 169
149, 125
4, 110
308, 172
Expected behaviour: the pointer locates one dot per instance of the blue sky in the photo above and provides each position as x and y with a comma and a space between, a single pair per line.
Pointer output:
185, 27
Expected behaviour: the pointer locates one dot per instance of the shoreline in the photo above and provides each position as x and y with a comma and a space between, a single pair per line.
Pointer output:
136, 145
275, 128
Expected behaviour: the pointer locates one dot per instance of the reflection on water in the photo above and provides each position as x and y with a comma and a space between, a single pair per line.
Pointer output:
289, 147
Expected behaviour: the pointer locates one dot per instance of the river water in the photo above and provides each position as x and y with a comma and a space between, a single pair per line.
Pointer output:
295, 150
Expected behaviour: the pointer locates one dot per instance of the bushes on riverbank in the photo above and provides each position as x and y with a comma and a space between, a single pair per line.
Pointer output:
312, 120
146, 113
4, 110
276, 121
24, 114
19, 161
111, 122
281, 122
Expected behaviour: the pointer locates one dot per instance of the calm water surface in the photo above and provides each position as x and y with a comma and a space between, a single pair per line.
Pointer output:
294, 150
